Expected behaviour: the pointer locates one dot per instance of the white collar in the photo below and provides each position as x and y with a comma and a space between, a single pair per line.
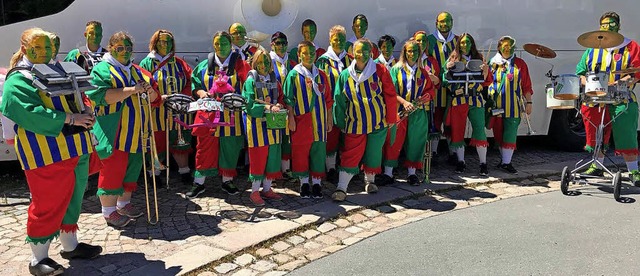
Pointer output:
277, 58
25, 62
369, 70
331, 54
499, 60
441, 38
309, 75
114, 62
241, 49
224, 64
98, 51
386, 62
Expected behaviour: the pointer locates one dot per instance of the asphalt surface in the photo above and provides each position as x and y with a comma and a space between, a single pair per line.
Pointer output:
545, 234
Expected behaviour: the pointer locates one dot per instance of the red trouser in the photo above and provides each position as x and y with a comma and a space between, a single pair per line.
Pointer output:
457, 122
113, 174
51, 190
259, 163
392, 151
207, 154
438, 119
592, 116
333, 141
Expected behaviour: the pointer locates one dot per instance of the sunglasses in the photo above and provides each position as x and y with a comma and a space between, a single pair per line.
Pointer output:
609, 24
121, 49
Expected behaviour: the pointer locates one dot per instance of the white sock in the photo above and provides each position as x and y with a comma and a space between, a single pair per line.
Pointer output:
106, 211
632, 166
184, 170
388, 171
460, 153
343, 180
40, 251
411, 171
69, 240
506, 156
369, 177
226, 178
434, 145
121, 204
285, 165
482, 154
304, 180
316, 181
255, 185
601, 160
331, 161
266, 185
199, 180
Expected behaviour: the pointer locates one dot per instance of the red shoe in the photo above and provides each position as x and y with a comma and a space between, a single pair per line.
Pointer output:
256, 199
270, 194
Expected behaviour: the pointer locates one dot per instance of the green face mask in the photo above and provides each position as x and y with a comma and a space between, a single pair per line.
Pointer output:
360, 28
362, 52
307, 55
238, 32
338, 42
122, 51
507, 48
465, 45
39, 51
444, 23
609, 24
262, 65
279, 46
412, 53
93, 34
387, 49
222, 46
422, 40
309, 33
164, 44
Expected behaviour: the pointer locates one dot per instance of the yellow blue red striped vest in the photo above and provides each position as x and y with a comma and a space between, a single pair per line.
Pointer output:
476, 100
437, 52
258, 134
36, 150
234, 80
366, 109
281, 71
307, 101
620, 59
506, 89
133, 116
171, 79
417, 86
330, 67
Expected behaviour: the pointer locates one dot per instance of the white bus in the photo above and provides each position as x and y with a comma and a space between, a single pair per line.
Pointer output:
555, 24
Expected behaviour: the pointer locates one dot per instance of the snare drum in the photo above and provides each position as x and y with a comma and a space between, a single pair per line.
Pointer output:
276, 120
553, 103
567, 87
88, 60
597, 84
474, 65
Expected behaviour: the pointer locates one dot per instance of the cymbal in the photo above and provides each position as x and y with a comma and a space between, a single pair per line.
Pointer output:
600, 39
539, 50
630, 70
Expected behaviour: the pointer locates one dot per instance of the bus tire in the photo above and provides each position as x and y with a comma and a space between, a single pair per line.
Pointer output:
567, 131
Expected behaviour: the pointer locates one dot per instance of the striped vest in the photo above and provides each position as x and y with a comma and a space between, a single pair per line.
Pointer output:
330, 67
620, 59
441, 56
476, 100
36, 150
171, 79
401, 80
307, 101
366, 107
133, 116
258, 134
234, 80
506, 89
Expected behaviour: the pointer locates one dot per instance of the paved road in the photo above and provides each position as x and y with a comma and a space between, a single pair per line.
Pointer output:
546, 234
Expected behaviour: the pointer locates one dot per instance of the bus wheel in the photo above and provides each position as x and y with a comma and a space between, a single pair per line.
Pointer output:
567, 130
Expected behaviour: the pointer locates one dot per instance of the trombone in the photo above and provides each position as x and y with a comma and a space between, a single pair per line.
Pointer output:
154, 153
523, 111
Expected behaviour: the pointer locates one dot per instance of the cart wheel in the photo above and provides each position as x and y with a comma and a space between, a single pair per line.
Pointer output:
617, 182
564, 180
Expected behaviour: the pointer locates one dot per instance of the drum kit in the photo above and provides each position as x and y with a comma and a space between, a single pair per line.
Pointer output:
564, 92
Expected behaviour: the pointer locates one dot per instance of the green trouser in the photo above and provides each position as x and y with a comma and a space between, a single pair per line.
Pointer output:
81, 172
624, 127
230, 148
134, 167
271, 168
476, 117
416, 140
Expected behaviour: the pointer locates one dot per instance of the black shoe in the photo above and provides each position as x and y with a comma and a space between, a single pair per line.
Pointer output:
186, 178
383, 179
288, 175
332, 176
305, 190
316, 191
47, 267
460, 166
195, 191
484, 170
413, 180
82, 251
509, 168
452, 160
230, 188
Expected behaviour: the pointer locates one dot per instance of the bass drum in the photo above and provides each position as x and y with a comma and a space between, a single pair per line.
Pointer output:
553, 103
87, 61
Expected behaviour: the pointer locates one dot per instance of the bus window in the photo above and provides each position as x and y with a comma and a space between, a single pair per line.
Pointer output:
18, 11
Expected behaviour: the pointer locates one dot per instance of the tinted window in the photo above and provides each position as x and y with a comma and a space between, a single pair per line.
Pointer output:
14, 11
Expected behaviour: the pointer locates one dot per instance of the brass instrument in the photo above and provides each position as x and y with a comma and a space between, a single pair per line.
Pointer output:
154, 154
428, 154
523, 111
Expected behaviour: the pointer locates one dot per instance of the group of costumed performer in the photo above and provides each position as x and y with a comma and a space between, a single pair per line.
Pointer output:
262, 93
332, 62
308, 98
365, 105
55, 158
218, 148
414, 93
625, 124
172, 76
122, 124
465, 104
511, 84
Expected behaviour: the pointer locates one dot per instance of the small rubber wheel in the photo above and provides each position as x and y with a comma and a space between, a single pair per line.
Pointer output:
617, 183
564, 180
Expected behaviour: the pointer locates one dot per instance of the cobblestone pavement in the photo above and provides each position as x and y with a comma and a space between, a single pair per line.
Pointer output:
225, 230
